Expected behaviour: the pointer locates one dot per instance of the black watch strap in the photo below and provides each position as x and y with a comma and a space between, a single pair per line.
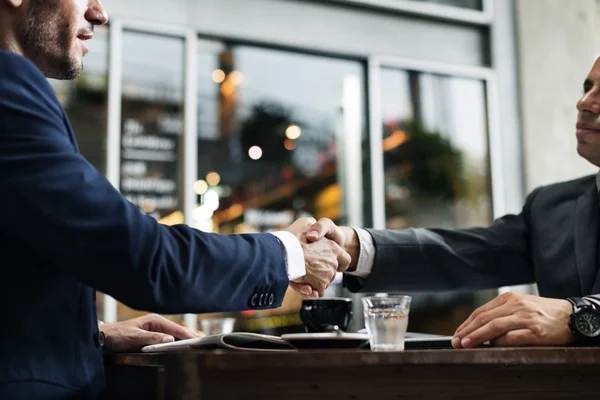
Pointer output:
578, 302
594, 298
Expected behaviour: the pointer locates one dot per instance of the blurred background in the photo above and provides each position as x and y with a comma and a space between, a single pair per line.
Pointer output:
238, 116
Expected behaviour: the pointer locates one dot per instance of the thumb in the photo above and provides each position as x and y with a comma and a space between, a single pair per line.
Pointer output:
148, 338
325, 228
316, 232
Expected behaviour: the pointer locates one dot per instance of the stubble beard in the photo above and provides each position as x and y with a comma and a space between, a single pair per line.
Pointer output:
47, 37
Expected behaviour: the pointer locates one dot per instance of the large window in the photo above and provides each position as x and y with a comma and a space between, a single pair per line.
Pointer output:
435, 150
152, 128
436, 169
275, 129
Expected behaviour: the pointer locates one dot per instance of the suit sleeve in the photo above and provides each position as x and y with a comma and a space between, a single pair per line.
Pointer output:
428, 260
68, 213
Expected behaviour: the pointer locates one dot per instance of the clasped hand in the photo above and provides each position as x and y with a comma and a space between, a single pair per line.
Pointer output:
324, 255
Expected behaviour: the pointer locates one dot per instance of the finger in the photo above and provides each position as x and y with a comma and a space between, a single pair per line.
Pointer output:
157, 323
325, 228
302, 288
483, 319
519, 337
493, 330
307, 290
139, 338
147, 338
302, 225
318, 285
496, 302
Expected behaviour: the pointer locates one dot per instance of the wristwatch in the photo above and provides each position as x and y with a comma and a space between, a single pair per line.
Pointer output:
584, 321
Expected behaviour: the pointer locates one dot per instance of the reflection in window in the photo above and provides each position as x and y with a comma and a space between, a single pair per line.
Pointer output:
471, 4
152, 128
86, 102
271, 136
152, 122
435, 151
436, 168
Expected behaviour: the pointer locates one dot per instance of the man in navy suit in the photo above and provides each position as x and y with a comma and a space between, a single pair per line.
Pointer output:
66, 232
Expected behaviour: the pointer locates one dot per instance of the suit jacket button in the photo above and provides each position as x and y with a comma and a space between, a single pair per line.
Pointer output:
254, 300
271, 299
261, 301
100, 339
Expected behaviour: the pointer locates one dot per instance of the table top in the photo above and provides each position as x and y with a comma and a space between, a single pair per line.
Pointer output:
230, 360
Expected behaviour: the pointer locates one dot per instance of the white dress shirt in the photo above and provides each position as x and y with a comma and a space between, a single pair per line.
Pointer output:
366, 257
294, 257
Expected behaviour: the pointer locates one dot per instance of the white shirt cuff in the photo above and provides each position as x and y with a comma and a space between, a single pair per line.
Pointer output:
366, 257
294, 258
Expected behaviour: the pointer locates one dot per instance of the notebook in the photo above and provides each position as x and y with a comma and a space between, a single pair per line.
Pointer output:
233, 341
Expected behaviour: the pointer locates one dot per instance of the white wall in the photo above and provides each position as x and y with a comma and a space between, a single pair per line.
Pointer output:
558, 43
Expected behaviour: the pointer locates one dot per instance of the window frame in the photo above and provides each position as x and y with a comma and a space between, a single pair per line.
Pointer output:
115, 91
495, 143
431, 10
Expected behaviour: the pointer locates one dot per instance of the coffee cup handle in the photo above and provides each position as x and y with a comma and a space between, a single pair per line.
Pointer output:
333, 329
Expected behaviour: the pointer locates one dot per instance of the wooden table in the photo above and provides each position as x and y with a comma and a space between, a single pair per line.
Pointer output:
528, 373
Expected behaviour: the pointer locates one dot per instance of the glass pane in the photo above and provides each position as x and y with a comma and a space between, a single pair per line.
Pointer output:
472, 4
456, 108
271, 139
152, 128
86, 102
436, 167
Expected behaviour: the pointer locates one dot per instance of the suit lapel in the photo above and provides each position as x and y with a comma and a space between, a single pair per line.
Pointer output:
586, 239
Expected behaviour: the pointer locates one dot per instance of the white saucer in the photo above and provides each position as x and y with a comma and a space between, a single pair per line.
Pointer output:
326, 336
327, 340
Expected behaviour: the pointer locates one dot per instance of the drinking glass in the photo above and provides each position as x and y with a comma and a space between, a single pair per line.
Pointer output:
386, 320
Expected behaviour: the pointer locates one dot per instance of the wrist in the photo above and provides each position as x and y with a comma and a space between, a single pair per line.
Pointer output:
351, 246
569, 309
584, 322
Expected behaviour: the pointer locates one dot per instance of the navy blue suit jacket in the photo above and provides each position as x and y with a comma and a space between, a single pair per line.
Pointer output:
65, 231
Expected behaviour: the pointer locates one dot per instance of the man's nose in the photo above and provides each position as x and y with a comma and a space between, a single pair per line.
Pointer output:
96, 13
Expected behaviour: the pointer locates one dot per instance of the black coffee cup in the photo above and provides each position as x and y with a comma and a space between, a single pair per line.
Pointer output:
326, 315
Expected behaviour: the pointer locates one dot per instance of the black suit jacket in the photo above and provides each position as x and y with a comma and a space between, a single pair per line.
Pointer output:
66, 231
552, 242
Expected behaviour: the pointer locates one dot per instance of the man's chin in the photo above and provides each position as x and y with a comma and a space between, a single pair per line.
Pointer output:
67, 71
590, 152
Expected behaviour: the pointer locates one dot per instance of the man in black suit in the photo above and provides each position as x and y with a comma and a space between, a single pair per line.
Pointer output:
553, 242
66, 232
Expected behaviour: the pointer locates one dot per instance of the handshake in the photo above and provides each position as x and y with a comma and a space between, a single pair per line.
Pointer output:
327, 249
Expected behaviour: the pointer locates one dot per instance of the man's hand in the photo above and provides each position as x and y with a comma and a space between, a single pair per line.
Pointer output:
133, 334
323, 260
513, 319
344, 236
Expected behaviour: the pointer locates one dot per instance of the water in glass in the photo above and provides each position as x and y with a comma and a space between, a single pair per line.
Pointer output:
387, 328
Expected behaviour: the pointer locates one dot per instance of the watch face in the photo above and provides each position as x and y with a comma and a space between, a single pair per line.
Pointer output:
588, 323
